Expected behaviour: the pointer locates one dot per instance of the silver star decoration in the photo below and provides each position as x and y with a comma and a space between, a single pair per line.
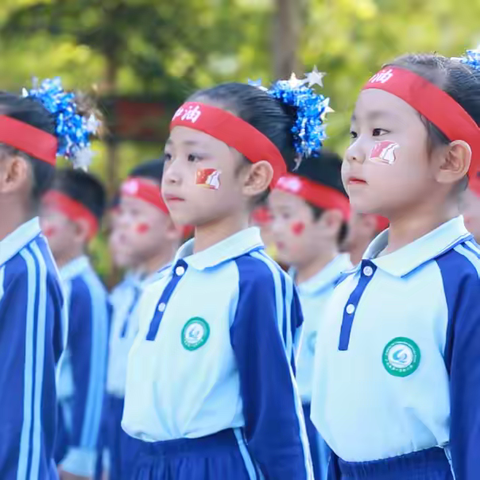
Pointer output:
314, 77
294, 82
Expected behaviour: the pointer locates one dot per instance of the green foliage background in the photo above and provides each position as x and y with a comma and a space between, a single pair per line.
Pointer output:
168, 48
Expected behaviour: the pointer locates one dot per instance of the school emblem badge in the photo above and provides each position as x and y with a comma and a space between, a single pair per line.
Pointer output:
401, 357
195, 333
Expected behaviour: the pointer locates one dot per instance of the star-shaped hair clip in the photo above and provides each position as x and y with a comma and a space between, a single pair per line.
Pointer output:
314, 77
257, 83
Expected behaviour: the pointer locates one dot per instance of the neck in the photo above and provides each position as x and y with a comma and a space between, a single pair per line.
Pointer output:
309, 269
157, 261
213, 233
13, 216
406, 228
66, 257
356, 251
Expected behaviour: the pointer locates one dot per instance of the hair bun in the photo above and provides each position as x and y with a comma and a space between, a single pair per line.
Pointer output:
74, 124
307, 107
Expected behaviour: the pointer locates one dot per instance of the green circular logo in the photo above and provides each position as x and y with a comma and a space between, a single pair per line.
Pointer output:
195, 333
401, 357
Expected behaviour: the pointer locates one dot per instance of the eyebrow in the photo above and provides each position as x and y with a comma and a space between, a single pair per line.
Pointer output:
188, 143
374, 115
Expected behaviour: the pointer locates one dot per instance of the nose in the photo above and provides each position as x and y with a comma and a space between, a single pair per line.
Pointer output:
172, 173
355, 152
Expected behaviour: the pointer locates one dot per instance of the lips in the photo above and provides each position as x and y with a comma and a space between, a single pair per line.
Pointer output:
173, 198
356, 181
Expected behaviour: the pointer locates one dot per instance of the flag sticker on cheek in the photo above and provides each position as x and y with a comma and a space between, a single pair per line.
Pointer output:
384, 152
208, 178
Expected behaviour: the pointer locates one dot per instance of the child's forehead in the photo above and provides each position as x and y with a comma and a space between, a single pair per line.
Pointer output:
375, 104
181, 136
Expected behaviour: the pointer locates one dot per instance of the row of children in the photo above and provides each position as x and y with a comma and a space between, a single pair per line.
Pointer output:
212, 331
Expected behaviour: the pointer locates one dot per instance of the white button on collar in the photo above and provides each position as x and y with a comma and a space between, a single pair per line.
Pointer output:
161, 307
180, 271
350, 309
368, 271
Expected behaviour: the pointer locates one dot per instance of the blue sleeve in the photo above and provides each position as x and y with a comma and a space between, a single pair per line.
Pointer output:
462, 357
30, 314
88, 346
274, 424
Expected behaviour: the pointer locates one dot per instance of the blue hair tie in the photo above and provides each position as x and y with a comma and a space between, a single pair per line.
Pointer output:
72, 130
309, 128
471, 58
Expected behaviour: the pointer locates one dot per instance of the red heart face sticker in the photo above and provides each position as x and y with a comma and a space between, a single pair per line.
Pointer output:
298, 228
143, 228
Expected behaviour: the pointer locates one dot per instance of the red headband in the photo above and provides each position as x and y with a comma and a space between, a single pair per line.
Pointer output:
319, 195
33, 141
233, 131
434, 104
72, 209
144, 190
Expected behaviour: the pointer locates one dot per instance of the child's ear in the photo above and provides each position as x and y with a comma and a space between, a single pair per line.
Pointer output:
82, 231
14, 174
258, 179
454, 162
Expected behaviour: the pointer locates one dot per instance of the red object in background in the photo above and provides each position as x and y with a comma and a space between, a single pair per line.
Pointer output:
382, 223
261, 216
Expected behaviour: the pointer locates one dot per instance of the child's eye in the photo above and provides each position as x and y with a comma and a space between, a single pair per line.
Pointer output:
379, 131
192, 157
353, 134
167, 156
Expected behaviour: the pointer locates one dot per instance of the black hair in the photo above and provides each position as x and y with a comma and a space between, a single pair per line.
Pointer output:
263, 112
152, 170
84, 188
458, 80
31, 112
324, 169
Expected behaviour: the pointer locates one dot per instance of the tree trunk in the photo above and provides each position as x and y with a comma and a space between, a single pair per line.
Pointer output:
287, 28
112, 164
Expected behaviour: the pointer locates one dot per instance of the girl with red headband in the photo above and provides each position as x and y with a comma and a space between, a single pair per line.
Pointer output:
397, 371
310, 219
210, 379
147, 241
70, 216
34, 129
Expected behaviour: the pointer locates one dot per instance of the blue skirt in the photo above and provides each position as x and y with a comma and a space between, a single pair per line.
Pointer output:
122, 449
431, 464
221, 456
319, 450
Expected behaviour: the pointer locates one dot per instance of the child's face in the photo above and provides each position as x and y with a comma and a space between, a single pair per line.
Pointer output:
202, 180
471, 213
141, 229
297, 235
392, 176
64, 236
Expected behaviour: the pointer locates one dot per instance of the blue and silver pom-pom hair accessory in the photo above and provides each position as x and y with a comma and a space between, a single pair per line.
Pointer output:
72, 130
471, 58
309, 129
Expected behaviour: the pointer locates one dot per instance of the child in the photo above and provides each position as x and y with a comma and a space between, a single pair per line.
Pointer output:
310, 215
147, 242
397, 372
34, 129
362, 229
71, 215
210, 387
471, 207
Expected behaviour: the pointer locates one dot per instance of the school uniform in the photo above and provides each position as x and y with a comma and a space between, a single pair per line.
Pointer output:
397, 370
121, 449
82, 375
210, 377
314, 294
31, 310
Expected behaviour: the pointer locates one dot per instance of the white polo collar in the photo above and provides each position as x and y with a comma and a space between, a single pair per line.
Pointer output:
411, 256
18, 239
234, 246
74, 268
